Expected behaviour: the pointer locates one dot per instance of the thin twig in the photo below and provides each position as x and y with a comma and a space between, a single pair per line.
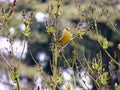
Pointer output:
22, 53
3, 57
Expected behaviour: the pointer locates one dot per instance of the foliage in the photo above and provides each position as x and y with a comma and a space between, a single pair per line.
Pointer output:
99, 67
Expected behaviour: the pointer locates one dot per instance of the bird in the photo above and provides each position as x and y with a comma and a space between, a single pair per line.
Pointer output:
66, 36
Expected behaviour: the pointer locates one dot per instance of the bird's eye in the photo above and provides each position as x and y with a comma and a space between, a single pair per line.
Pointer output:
68, 29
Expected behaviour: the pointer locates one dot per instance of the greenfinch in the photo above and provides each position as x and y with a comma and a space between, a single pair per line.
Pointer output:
66, 36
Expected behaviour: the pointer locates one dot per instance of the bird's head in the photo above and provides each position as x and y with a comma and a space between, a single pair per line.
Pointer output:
67, 29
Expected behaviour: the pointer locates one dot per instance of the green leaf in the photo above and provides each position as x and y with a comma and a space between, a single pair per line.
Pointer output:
14, 75
61, 79
105, 44
60, 12
50, 30
119, 46
117, 87
104, 81
68, 86
95, 66
104, 78
26, 32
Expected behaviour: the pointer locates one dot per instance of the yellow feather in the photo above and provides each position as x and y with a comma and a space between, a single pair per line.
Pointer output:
66, 36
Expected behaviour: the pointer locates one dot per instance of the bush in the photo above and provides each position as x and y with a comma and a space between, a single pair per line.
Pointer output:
89, 45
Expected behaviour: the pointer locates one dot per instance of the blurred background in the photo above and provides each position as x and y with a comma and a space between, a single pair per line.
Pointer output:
40, 40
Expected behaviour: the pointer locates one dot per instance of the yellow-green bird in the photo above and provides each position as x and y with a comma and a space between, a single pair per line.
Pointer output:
66, 36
